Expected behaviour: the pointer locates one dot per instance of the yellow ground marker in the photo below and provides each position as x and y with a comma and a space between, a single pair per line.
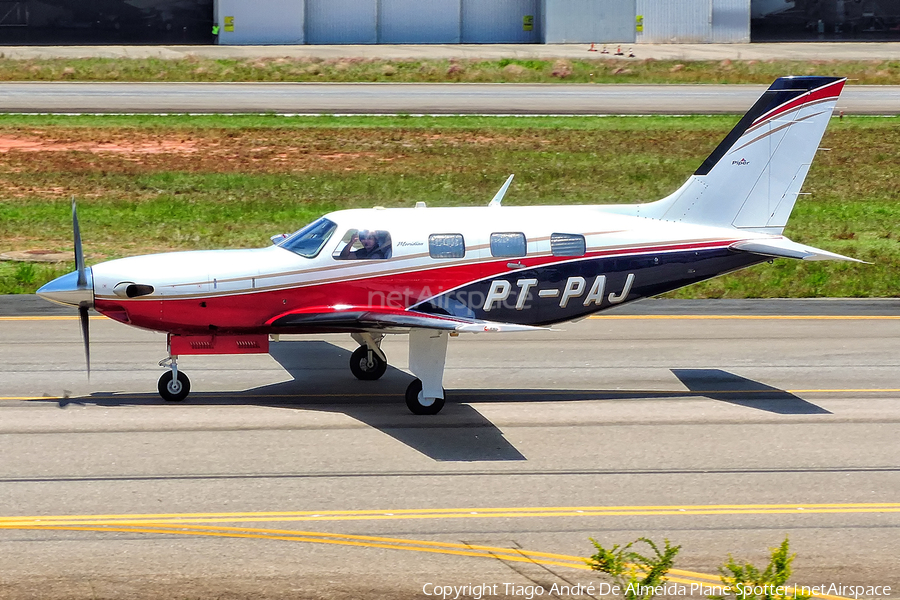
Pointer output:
470, 550
445, 513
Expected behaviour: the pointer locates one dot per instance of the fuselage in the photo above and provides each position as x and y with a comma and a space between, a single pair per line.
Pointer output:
522, 265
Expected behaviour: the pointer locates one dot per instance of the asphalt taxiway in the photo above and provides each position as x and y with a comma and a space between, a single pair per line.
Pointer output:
411, 98
723, 430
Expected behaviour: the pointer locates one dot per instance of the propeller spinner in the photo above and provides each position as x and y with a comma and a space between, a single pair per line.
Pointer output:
75, 289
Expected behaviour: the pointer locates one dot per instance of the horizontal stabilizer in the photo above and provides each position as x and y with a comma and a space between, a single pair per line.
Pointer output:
784, 248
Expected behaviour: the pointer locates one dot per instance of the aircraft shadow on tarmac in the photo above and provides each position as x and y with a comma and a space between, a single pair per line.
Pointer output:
321, 381
734, 389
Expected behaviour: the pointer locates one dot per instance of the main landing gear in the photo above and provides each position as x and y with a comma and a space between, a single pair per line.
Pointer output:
420, 404
368, 362
174, 385
427, 355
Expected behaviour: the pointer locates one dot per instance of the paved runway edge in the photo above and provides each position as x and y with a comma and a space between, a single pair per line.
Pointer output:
25, 305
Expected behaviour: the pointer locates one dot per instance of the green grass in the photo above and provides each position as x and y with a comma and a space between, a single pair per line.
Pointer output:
588, 70
254, 176
192, 122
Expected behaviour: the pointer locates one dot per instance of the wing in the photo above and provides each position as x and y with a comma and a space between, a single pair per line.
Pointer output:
369, 319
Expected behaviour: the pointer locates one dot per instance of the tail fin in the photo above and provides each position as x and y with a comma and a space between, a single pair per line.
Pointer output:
752, 179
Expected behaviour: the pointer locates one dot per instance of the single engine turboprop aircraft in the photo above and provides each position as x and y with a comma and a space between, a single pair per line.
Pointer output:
437, 272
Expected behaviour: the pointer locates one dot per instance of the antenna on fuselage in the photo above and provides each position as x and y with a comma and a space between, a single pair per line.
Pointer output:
498, 197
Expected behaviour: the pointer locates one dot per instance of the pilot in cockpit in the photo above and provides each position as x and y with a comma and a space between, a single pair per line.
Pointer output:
374, 245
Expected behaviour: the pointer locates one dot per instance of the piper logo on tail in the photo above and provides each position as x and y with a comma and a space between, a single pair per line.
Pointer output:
741, 163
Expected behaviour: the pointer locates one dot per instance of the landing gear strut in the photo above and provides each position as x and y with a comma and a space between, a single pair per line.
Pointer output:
173, 386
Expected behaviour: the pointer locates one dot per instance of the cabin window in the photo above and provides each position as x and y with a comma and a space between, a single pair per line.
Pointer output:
446, 245
367, 244
567, 244
508, 245
308, 241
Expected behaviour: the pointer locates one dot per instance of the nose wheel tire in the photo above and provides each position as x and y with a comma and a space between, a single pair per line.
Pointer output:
174, 390
366, 365
419, 404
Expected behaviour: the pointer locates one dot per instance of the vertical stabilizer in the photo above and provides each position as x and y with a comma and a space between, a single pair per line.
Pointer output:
752, 179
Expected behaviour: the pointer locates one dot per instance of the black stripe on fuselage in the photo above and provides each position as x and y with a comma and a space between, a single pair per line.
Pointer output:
654, 273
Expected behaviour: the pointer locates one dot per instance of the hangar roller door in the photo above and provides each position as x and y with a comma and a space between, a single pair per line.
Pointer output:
730, 21
501, 21
676, 21
419, 22
586, 21
341, 21
243, 23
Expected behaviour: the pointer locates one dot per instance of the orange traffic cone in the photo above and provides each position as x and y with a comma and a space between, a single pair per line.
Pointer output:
619, 50
592, 48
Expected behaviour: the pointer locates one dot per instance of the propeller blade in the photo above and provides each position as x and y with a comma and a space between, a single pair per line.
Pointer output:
79, 255
85, 334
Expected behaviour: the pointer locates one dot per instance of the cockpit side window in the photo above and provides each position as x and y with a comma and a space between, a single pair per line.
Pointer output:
308, 242
367, 244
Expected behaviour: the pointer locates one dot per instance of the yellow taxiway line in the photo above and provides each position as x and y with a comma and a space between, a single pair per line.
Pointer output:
449, 548
447, 513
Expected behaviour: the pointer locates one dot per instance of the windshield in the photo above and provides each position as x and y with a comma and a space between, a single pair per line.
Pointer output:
308, 241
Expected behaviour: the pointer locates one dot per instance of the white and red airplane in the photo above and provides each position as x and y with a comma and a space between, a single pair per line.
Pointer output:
437, 272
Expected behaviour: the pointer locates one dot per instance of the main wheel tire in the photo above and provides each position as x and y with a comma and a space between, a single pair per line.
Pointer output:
420, 405
174, 391
359, 365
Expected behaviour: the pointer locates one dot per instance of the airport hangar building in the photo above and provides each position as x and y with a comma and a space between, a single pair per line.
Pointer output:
242, 22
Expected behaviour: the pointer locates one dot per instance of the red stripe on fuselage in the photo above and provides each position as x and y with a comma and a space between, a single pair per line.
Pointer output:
249, 312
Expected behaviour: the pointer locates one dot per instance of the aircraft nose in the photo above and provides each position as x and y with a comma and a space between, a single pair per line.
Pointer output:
65, 289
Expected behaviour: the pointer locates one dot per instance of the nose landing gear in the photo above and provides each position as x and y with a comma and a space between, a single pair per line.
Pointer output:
173, 386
